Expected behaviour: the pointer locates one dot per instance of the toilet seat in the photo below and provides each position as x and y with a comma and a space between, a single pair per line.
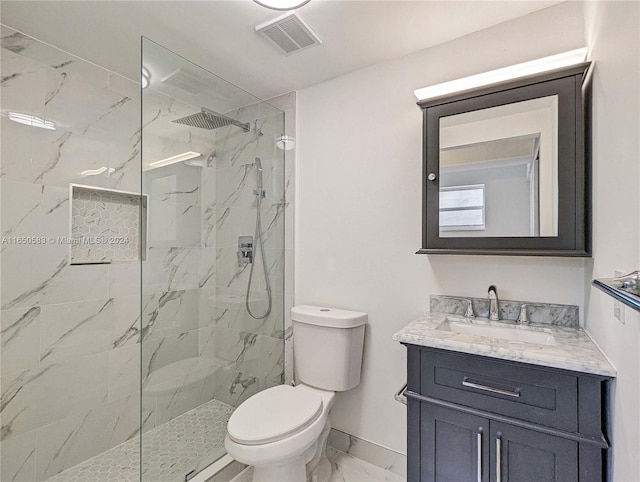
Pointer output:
287, 411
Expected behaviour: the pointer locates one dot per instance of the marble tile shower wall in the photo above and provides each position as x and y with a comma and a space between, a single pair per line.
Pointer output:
255, 348
69, 335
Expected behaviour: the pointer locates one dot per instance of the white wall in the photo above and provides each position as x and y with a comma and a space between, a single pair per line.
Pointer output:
358, 219
612, 30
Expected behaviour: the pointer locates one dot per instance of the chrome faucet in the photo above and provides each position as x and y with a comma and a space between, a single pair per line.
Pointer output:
494, 308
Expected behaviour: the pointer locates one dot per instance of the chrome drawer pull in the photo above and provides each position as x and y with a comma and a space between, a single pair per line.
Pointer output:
498, 457
487, 388
480, 454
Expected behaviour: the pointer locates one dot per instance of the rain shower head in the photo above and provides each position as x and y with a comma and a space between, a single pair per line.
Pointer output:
208, 119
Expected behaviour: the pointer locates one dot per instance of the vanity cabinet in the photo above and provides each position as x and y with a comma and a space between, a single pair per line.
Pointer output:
474, 418
458, 446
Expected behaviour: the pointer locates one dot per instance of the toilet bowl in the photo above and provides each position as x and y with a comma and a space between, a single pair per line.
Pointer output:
282, 431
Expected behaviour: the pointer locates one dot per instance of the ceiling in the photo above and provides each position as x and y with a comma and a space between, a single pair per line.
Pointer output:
220, 35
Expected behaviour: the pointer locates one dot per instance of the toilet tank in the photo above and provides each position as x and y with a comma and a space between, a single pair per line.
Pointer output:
327, 346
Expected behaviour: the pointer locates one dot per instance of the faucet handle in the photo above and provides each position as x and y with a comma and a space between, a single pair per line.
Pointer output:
469, 313
522, 316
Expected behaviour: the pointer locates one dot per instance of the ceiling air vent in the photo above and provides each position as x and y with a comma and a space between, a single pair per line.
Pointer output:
289, 33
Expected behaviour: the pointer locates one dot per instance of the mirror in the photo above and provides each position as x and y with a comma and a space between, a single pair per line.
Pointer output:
499, 171
505, 169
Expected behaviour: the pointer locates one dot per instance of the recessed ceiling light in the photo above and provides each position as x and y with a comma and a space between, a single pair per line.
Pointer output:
31, 120
185, 156
282, 4
537, 66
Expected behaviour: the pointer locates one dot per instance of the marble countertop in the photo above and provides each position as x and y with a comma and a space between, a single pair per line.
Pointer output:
573, 348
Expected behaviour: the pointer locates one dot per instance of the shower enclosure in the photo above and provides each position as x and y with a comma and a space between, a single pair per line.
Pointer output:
212, 292
128, 241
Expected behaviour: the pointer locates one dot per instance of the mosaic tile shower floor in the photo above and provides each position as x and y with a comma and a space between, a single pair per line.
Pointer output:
171, 450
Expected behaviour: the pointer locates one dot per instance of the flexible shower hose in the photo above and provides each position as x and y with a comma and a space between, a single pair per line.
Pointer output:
258, 238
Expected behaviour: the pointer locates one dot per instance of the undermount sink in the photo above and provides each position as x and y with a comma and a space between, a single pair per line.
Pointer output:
539, 336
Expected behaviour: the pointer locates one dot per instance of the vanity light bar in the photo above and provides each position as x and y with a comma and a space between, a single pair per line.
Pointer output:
185, 156
544, 64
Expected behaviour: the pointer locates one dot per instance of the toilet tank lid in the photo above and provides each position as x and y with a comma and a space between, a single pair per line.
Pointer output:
329, 317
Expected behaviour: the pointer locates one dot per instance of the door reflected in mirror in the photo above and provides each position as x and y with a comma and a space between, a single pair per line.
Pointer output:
499, 171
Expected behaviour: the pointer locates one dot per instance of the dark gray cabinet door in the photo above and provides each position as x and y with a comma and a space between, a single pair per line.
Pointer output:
454, 446
522, 455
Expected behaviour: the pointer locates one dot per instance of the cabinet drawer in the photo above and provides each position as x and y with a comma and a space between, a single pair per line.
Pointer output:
505, 388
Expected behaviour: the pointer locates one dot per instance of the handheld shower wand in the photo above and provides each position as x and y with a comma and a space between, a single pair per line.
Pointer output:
259, 193
259, 168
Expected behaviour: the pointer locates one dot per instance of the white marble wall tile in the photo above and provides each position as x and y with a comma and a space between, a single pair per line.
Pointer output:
170, 269
236, 349
124, 371
76, 283
159, 351
272, 361
235, 147
20, 209
47, 55
124, 86
209, 213
59, 157
73, 439
229, 274
171, 313
234, 387
33, 398
207, 268
19, 458
54, 212
16, 149
126, 312
231, 312
20, 339
81, 328
124, 161
124, 279
23, 84
176, 182
173, 224
27, 270
179, 396
66, 104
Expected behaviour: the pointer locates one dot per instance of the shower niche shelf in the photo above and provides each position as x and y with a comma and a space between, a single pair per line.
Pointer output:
106, 225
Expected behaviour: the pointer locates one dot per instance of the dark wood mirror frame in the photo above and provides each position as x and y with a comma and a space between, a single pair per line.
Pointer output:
572, 86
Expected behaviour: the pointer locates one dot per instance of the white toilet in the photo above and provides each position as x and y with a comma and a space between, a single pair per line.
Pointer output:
282, 431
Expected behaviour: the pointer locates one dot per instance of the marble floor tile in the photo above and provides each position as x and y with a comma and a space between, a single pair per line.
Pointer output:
345, 468
350, 469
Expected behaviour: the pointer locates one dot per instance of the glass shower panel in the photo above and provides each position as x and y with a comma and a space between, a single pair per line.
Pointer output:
206, 147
